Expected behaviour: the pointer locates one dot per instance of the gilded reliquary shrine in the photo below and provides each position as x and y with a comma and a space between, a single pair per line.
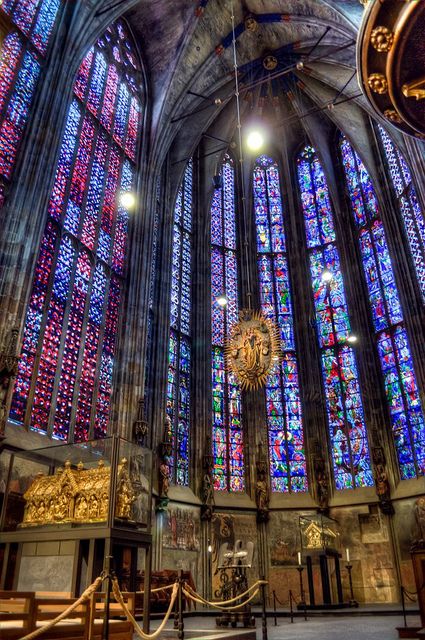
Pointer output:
77, 495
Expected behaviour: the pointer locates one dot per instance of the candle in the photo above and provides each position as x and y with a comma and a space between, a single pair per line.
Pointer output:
347, 554
299, 558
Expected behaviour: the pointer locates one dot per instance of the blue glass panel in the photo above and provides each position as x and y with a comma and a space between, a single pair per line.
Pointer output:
346, 423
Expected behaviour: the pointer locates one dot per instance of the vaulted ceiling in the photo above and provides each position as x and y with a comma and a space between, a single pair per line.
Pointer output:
188, 54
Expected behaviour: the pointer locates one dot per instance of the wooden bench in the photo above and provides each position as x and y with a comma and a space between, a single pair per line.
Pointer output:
118, 629
16, 613
22, 612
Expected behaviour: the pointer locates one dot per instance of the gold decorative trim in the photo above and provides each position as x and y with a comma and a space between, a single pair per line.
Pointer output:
382, 39
270, 62
393, 116
378, 83
388, 41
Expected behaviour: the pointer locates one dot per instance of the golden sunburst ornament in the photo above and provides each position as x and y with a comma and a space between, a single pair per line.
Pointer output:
253, 348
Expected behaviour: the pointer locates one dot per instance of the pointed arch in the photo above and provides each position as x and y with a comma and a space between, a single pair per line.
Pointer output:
288, 470
22, 57
180, 343
346, 421
64, 382
401, 388
228, 439
408, 205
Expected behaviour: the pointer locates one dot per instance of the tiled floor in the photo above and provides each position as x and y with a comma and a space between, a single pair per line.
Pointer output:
338, 627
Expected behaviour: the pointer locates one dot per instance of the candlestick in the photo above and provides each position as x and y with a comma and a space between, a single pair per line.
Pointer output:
300, 570
347, 554
299, 558
353, 602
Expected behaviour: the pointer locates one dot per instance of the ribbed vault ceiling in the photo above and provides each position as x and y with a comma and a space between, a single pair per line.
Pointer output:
187, 50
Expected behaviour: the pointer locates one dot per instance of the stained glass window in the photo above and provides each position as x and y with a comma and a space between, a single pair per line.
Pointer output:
393, 346
410, 209
64, 382
283, 405
21, 60
228, 442
179, 348
347, 428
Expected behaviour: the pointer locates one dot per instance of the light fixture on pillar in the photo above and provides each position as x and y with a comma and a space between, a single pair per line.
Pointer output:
326, 275
222, 300
209, 547
352, 339
128, 200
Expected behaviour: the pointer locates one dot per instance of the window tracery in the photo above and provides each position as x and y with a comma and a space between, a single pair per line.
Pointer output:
410, 209
22, 57
228, 441
180, 346
283, 405
346, 422
392, 341
64, 382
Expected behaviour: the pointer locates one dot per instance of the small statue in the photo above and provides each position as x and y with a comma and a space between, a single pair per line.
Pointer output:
419, 542
382, 484
125, 499
207, 487
262, 490
8, 371
262, 495
140, 426
164, 479
208, 502
322, 485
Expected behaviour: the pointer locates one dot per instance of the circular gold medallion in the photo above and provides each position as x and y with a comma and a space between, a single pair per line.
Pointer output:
253, 348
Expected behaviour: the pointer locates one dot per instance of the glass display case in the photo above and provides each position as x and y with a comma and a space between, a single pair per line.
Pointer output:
100, 483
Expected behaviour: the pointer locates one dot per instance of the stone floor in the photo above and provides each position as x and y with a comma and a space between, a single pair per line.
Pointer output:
363, 625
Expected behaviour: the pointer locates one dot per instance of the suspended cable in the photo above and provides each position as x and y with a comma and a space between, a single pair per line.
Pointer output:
241, 159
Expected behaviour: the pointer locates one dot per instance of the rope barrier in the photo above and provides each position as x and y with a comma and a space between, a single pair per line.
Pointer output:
186, 589
169, 586
84, 596
225, 602
202, 600
211, 604
413, 593
119, 598
282, 604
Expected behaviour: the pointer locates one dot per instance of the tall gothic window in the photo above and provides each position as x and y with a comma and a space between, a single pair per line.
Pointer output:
179, 347
410, 209
283, 405
347, 429
64, 383
21, 60
393, 346
227, 413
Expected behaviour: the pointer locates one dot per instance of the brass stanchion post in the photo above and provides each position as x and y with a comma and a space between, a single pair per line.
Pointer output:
107, 569
263, 610
180, 634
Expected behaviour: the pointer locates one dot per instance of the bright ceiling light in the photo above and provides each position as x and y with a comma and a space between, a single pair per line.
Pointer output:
327, 275
222, 300
255, 140
128, 200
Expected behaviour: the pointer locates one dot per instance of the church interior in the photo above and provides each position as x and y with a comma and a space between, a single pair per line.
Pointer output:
212, 300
